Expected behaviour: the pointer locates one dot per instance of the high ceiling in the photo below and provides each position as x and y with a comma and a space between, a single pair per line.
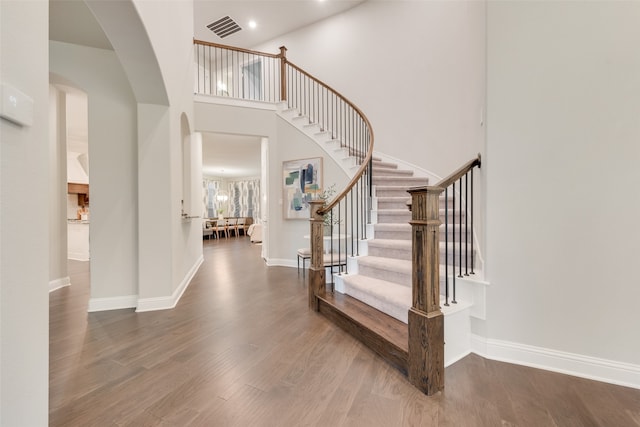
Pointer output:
272, 18
71, 21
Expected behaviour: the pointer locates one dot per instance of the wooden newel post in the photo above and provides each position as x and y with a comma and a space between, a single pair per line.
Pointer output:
283, 73
426, 321
317, 280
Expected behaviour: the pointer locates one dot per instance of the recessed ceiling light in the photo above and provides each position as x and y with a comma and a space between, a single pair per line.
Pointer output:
252, 24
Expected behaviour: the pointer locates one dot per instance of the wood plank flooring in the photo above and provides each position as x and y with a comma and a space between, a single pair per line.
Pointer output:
242, 349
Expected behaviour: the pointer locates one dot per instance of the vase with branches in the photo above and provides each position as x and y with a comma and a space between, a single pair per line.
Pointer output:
329, 221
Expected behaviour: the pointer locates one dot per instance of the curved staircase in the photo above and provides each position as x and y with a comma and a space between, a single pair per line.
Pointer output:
385, 274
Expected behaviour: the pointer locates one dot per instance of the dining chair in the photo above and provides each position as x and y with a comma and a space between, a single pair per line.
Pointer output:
232, 224
221, 227
241, 225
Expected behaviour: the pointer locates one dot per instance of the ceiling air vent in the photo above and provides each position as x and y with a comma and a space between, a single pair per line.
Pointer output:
224, 27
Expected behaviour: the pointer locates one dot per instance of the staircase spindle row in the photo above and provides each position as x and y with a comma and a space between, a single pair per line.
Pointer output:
454, 249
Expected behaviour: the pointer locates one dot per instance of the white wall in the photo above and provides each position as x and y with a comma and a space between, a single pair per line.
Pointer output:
113, 165
155, 56
562, 176
172, 47
415, 68
24, 249
57, 209
289, 233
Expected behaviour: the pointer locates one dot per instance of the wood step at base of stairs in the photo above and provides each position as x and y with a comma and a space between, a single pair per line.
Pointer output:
398, 271
386, 336
388, 297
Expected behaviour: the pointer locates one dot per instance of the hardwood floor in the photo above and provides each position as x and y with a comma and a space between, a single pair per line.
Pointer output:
242, 349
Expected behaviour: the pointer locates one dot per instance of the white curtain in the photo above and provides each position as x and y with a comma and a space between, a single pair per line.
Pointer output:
211, 188
242, 198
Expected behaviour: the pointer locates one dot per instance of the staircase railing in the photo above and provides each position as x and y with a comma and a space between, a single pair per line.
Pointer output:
342, 222
238, 73
246, 74
426, 321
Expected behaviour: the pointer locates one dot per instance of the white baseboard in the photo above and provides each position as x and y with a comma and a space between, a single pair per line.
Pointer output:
281, 262
112, 303
78, 256
168, 302
609, 371
59, 283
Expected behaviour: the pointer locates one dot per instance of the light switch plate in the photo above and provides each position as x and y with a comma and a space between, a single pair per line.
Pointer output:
16, 106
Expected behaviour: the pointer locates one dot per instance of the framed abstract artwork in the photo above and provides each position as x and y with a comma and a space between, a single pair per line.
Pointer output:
302, 182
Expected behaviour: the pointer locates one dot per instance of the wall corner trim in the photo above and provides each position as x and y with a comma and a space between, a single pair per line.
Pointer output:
165, 303
608, 371
56, 284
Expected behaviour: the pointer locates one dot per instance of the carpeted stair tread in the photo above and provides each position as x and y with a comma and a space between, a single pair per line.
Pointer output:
388, 297
391, 269
393, 227
400, 265
391, 243
390, 248
391, 172
406, 181
392, 231
387, 165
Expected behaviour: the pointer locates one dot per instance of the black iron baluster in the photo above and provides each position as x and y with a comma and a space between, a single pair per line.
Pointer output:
466, 222
453, 240
471, 231
446, 247
460, 231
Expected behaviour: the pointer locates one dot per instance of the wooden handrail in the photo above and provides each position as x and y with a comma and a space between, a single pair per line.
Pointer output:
283, 76
453, 177
367, 158
461, 171
237, 49
353, 181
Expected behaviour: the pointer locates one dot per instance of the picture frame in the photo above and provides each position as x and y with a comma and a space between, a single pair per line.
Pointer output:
302, 182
